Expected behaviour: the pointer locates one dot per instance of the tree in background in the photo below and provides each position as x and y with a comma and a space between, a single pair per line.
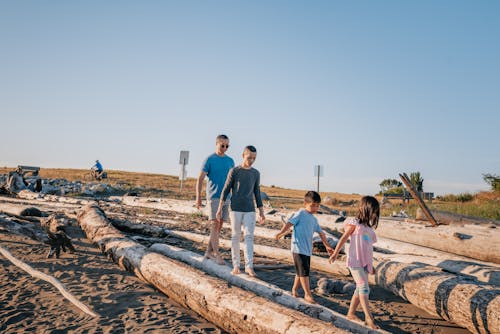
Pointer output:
493, 180
391, 186
417, 181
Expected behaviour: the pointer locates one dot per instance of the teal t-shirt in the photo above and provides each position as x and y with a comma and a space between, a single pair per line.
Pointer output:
304, 226
216, 168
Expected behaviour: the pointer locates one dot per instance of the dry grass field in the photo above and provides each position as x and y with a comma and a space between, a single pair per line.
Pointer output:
483, 204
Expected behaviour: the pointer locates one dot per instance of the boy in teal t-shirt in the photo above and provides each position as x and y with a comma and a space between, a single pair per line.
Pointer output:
304, 225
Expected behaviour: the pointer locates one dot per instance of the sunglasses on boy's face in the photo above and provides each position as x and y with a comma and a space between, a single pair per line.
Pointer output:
224, 145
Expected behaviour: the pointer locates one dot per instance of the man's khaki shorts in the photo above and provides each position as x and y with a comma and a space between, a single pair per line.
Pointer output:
213, 205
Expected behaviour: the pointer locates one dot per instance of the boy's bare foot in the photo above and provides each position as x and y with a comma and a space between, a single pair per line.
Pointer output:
310, 299
250, 272
236, 271
294, 294
353, 318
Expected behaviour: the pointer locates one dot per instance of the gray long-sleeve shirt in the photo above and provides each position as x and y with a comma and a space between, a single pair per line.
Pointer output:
244, 185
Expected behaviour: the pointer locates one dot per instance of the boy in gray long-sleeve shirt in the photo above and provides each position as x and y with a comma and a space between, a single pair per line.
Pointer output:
244, 184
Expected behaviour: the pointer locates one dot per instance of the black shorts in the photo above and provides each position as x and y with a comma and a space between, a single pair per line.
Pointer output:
302, 264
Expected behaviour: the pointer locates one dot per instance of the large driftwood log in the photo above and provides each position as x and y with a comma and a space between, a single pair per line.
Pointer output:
51, 279
475, 241
231, 308
20, 210
259, 287
26, 229
474, 306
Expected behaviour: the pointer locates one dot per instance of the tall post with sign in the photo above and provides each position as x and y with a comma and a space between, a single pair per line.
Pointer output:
183, 161
318, 171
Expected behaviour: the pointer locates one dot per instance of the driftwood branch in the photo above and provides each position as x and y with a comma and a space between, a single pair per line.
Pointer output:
52, 280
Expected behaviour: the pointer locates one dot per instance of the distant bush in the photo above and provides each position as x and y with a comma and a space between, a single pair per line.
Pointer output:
493, 180
464, 197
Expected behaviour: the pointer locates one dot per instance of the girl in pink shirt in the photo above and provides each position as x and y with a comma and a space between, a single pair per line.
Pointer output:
362, 236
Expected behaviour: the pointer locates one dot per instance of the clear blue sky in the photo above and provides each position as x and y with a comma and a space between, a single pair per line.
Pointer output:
367, 89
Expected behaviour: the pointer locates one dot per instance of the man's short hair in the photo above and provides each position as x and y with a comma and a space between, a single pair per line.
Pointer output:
251, 148
312, 197
221, 137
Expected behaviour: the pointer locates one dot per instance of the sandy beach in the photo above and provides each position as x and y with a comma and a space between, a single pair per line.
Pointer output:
127, 304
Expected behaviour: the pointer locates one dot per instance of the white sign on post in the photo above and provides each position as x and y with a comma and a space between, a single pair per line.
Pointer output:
318, 171
183, 161
184, 158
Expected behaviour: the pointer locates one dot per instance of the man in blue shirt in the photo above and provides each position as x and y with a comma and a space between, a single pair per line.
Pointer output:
97, 170
216, 167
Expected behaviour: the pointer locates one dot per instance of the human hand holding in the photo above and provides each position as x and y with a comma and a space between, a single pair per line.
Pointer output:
277, 236
198, 203
262, 218
218, 215
332, 258
329, 250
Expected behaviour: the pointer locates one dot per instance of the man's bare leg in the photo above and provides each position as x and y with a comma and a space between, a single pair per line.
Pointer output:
209, 254
216, 228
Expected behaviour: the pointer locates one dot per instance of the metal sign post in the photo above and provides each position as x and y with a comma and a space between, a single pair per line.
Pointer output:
183, 161
318, 171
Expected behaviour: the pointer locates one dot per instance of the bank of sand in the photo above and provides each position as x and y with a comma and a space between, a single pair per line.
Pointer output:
126, 304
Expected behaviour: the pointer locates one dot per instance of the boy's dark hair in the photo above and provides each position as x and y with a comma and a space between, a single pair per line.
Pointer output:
221, 137
369, 211
251, 148
312, 197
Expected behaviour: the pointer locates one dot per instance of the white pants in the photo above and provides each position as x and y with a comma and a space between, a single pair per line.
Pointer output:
247, 220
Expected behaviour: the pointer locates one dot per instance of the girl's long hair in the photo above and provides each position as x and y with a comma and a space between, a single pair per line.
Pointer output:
369, 211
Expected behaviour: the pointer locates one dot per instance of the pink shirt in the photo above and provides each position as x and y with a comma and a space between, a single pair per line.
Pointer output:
361, 246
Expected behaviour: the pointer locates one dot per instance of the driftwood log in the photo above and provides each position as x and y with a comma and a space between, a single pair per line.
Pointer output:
259, 287
455, 298
23, 228
480, 241
232, 308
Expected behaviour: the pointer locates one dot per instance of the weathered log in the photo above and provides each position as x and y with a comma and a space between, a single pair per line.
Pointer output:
259, 287
454, 298
481, 242
232, 308
474, 306
20, 210
27, 194
52, 280
124, 225
26, 229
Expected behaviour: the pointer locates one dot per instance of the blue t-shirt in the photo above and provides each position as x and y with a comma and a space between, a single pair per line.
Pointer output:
304, 226
216, 168
98, 166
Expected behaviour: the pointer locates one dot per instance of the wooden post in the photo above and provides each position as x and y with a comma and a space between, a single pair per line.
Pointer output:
416, 196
